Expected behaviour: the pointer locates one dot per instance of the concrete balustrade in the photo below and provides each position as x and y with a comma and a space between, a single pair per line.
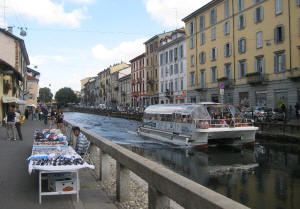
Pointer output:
163, 184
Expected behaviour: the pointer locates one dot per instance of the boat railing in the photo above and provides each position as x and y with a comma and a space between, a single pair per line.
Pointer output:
221, 123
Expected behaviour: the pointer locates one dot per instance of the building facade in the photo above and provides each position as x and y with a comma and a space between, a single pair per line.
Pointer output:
32, 87
249, 46
138, 80
124, 93
13, 70
172, 68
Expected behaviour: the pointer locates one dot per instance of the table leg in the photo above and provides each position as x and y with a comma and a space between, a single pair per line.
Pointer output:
78, 186
40, 187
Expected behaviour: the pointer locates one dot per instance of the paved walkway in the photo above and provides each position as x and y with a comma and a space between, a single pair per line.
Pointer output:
18, 189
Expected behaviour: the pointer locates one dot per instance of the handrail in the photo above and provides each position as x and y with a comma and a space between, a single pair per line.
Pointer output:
165, 182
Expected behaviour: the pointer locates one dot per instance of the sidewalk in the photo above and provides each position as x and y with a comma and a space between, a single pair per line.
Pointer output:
18, 189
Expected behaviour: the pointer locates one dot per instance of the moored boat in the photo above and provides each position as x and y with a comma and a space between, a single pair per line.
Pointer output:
197, 125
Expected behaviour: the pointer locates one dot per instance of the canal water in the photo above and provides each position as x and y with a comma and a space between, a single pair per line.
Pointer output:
266, 177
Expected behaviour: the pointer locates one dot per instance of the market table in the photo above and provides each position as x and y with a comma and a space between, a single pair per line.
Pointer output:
55, 158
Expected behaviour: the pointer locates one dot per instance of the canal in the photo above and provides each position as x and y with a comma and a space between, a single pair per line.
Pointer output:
266, 177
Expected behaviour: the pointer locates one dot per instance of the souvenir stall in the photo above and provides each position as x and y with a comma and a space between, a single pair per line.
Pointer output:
56, 162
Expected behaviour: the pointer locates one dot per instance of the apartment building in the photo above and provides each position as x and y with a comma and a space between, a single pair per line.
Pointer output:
252, 46
32, 87
172, 68
152, 68
138, 80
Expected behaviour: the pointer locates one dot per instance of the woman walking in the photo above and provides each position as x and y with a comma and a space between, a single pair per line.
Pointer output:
18, 123
60, 119
10, 123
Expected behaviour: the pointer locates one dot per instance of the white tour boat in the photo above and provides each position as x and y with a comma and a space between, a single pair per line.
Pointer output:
197, 125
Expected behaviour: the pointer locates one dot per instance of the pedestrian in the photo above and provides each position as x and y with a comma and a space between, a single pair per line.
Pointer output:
283, 109
18, 123
45, 115
297, 109
81, 141
52, 118
26, 113
30, 112
59, 119
36, 114
10, 123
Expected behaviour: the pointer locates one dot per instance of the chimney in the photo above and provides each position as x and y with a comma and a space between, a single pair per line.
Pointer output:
10, 29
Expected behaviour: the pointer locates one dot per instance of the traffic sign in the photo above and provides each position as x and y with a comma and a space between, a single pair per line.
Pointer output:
221, 85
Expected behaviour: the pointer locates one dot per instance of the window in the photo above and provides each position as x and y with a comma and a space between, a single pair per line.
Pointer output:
171, 70
202, 78
192, 78
258, 14
298, 3
202, 23
161, 60
257, 1
202, 57
259, 64
192, 60
226, 9
278, 7
226, 28
213, 34
176, 85
166, 86
242, 45
227, 71
259, 42
213, 54
175, 54
240, 5
151, 48
279, 62
242, 68
171, 55
213, 73
162, 72
241, 22
202, 38
166, 57
166, 70
192, 43
191, 28
279, 34
181, 51
213, 16
181, 67
176, 68
161, 86
227, 50
181, 84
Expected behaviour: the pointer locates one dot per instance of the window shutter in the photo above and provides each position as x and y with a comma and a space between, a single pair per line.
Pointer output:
255, 65
225, 53
262, 13
263, 65
229, 50
224, 28
283, 61
239, 46
204, 58
244, 21
216, 53
225, 73
275, 35
211, 75
255, 19
245, 68
298, 2
228, 28
239, 73
242, 4
230, 72
239, 22
276, 64
244, 45
211, 55
282, 32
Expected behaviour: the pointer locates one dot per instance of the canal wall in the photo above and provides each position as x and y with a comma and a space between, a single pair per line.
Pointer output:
163, 184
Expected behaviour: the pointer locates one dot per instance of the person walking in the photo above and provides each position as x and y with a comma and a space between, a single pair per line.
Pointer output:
26, 113
52, 118
18, 123
283, 109
36, 114
297, 109
45, 115
10, 123
60, 119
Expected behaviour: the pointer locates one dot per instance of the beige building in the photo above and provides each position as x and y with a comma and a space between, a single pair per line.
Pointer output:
32, 87
13, 70
253, 47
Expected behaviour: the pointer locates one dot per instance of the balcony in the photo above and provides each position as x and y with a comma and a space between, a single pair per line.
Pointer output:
150, 81
168, 93
139, 80
133, 81
294, 74
200, 87
135, 94
256, 78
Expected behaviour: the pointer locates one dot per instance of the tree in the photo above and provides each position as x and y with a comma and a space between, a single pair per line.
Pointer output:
65, 95
45, 95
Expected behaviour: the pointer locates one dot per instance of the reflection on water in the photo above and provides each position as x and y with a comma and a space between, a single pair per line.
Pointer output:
268, 177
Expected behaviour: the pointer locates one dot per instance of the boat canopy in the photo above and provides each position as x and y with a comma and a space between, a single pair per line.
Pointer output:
193, 110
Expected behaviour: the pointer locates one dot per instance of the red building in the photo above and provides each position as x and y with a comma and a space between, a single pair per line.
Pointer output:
138, 81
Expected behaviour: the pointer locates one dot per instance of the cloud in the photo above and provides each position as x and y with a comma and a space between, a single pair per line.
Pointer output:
124, 52
47, 12
170, 12
82, 1
3, 24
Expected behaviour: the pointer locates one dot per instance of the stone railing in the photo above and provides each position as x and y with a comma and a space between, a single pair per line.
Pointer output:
163, 184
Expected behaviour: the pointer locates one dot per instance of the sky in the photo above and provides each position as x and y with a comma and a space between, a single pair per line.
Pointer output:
68, 40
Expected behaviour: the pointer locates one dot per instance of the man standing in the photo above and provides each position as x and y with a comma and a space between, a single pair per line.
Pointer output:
10, 123
81, 141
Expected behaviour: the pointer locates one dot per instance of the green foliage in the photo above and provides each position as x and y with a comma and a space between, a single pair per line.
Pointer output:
65, 95
45, 95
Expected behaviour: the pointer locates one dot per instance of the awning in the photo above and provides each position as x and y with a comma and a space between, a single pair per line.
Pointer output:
8, 99
31, 105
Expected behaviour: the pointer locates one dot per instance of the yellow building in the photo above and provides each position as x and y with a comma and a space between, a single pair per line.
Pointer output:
84, 81
249, 46
152, 75
32, 87
13, 70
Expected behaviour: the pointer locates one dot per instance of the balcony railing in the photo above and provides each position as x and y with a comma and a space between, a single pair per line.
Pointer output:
294, 74
139, 80
200, 87
255, 78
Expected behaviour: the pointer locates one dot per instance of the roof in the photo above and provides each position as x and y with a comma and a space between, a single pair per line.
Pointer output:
157, 36
21, 41
138, 57
8, 69
35, 73
118, 67
31, 78
202, 9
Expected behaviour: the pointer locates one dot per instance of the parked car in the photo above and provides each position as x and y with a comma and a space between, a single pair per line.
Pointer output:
256, 113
